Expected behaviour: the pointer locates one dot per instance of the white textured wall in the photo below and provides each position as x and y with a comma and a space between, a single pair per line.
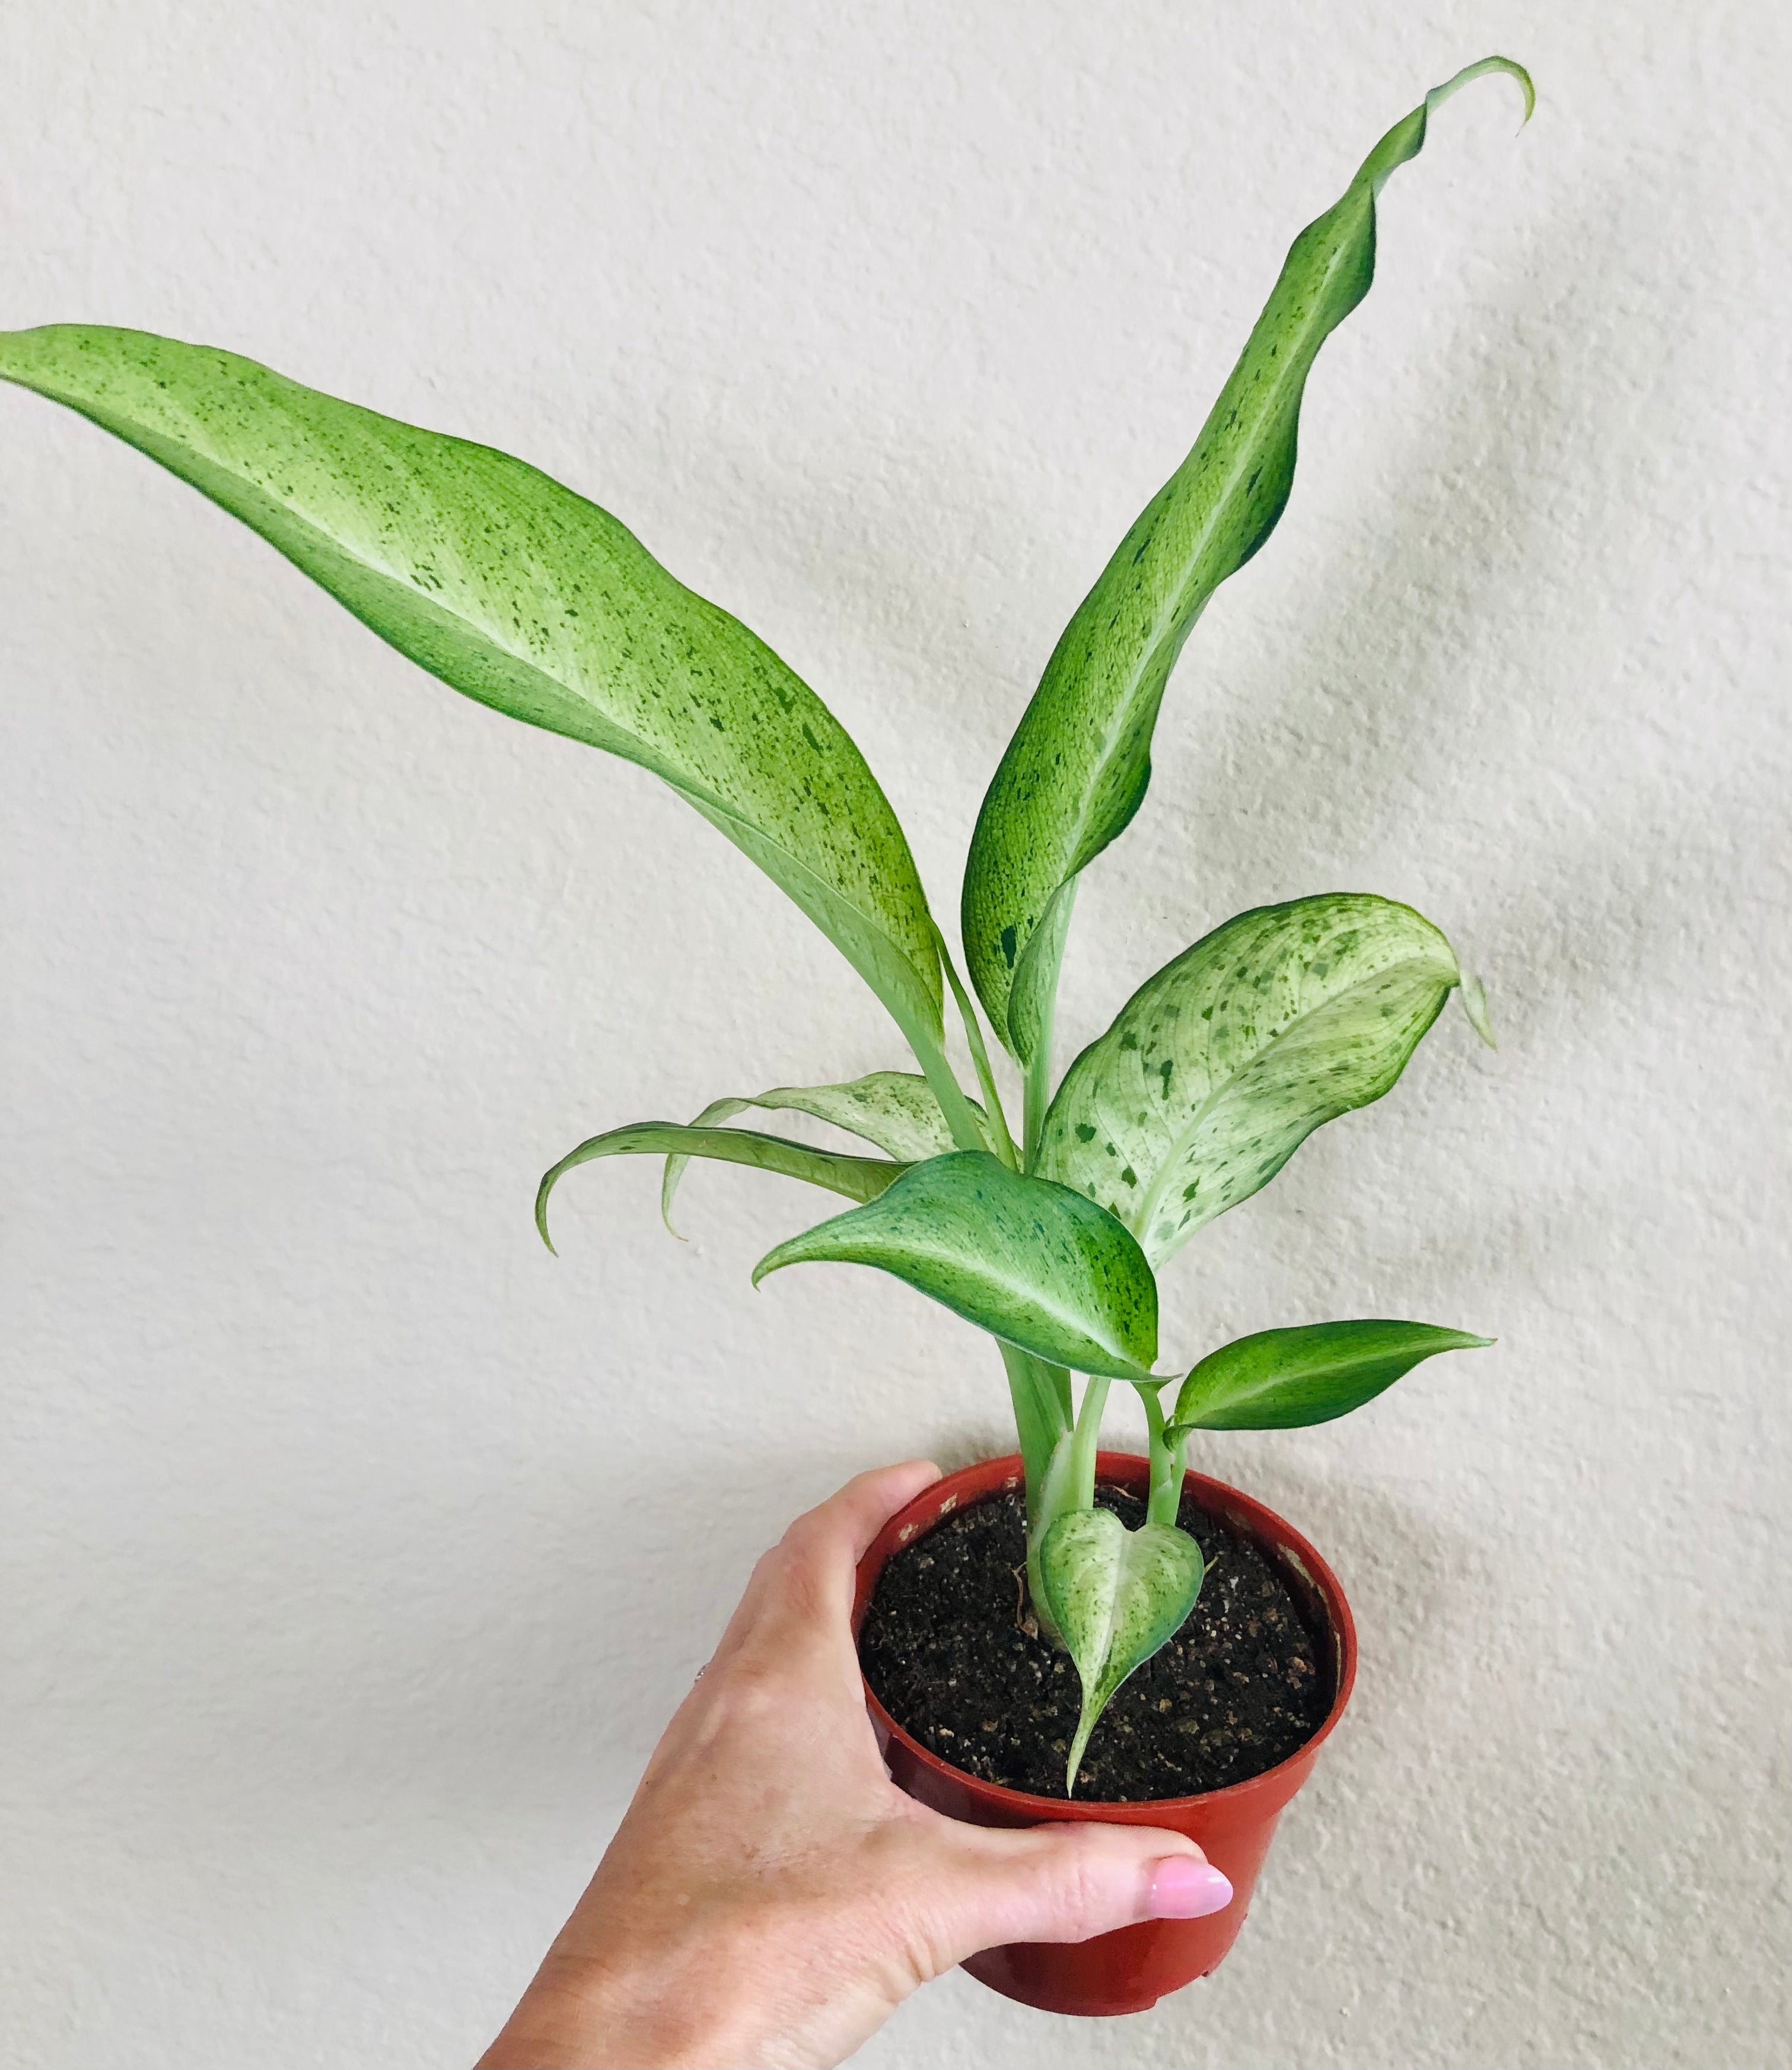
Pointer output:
355, 1548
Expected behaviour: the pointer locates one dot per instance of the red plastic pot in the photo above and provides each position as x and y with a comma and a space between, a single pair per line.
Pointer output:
1132, 1970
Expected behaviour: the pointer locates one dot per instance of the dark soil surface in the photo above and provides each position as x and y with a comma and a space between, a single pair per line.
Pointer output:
1240, 1688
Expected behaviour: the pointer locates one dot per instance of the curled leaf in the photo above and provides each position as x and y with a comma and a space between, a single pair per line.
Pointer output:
858, 1178
895, 1110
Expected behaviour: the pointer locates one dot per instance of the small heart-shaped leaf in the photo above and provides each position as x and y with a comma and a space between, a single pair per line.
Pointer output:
1116, 1596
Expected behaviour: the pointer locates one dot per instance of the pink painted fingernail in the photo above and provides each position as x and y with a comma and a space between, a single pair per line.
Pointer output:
1184, 1888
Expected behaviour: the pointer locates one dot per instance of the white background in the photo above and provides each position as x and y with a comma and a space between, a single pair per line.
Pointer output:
356, 1548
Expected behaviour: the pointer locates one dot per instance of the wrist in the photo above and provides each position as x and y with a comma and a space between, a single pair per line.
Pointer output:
624, 2010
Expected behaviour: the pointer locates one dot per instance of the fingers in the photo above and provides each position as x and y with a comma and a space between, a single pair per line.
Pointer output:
808, 1577
840, 1529
1060, 1883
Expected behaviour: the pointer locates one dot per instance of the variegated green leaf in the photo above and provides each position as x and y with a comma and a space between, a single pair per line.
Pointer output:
1079, 765
1035, 1264
858, 1178
1283, 1380
1115, 1596
894, 1109
525, 596
1219, 1068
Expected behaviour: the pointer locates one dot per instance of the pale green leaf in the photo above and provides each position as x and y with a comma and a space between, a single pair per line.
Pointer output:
1475, 1005
1116, 1596
895, 1110
1034, 1264
1079, 765
858, 1178
1219, 1068
525, 596
1283, 1380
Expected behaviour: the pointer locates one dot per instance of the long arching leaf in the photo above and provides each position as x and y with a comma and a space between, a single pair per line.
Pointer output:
1077, 767
1035, 1264
522, 595
1219, 1068
858, 1178
894, 1109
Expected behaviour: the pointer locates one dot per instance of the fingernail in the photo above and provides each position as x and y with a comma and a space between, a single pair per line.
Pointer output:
1182, 1888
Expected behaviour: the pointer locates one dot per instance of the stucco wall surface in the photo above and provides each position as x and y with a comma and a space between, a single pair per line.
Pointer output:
355, 1549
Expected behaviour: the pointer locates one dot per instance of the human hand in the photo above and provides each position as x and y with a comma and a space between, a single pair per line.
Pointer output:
771, 1897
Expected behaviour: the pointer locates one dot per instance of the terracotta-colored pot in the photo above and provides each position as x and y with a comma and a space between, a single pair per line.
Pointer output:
1129, 1970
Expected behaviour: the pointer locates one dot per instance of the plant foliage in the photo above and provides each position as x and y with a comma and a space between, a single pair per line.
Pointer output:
520, 593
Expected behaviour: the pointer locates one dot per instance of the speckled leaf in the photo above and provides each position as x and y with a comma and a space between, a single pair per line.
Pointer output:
894, 1109
1034, 1264
1079, 765
1282, 1380
1116, 1596
1220, 1067
521, 595
858, 1178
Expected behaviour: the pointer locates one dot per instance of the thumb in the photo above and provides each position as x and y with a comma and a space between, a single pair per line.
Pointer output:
1067, 1882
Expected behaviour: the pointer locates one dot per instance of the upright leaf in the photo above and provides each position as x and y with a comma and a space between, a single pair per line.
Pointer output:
1116, 1596
525, 596
858, 1178
1219, 1068
1284, 1379
1035, 1264
1077, 767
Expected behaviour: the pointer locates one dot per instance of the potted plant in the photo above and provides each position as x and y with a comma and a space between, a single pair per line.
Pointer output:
1047, 1230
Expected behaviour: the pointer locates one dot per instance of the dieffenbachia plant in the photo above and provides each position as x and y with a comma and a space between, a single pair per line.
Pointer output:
521, 594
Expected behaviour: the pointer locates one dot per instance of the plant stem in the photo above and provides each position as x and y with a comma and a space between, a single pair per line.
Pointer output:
1165, 1499
961, 1117
1086, 1441
1041, 1420
980, 1056
1038, 1095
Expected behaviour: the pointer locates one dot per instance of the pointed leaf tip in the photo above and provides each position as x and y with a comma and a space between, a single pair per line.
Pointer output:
541, 1193
1482, 68
1117, 1596
857, 1178
1475, 1005
1289, 1379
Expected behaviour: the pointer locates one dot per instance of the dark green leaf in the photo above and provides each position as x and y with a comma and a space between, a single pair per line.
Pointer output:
1283, 1380
1034, 1264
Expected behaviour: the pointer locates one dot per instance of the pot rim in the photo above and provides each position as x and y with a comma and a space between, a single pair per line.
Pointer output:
1002, 1473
